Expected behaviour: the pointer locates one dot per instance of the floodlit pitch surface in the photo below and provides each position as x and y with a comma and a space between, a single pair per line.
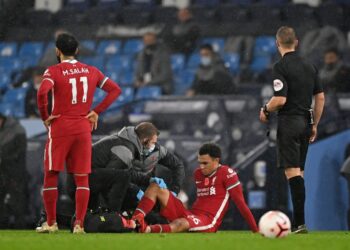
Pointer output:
232, 240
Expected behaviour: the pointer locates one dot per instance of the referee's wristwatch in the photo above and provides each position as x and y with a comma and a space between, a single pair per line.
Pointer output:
265, 111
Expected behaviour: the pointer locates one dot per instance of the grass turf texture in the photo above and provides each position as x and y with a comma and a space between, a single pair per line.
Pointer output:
14, 239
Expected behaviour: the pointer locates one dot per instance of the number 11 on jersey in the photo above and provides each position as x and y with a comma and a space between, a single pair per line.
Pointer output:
84, 81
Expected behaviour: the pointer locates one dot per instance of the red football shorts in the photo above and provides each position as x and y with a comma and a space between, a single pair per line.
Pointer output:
72, 150
198, 223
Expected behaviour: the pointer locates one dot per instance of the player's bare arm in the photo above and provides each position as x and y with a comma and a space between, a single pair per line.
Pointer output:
275, 103
318, 109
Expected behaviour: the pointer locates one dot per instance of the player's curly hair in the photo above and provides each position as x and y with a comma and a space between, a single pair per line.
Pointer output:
210, 148
67, 44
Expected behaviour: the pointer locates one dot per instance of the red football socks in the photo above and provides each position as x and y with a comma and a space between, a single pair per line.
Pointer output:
144, 207
82, 194
158, 228
50, 195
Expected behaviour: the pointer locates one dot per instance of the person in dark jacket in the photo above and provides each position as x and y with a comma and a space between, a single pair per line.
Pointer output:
13, 174
125, 163
212, 77
184, 35
153, 65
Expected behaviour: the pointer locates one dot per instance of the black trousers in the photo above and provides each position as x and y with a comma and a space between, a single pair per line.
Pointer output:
293, 134
109, 188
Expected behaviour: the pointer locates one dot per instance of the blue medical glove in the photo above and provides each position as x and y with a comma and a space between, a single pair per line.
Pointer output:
140, 195
159, 181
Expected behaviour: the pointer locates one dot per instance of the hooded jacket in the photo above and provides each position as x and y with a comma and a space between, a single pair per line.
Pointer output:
124, 150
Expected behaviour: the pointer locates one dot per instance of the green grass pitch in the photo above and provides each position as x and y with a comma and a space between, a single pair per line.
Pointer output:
233, 240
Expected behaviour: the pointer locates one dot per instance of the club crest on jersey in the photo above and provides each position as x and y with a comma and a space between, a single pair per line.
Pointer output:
213, 181
206, 181
277, 84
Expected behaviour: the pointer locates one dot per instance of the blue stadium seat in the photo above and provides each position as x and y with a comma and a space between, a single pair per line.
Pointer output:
9, 64
240, 2
8, 49
7, 109
204, 14
136, 15
193, 61
127, 78
99, 95
259, 12
132, 46
183, 82
123, 62
90, 44
217, 43
293, 12
31, 49
260, 64
165, 15
265, 46
331, 14
145, 4
274, 2
115, 75
78, 4
97, 61
232, 61
233, 13
151, 92
207, 2
4, 81
145, 93
126, 96
17, 98
177, 62
29, 61
109, 47
110, 4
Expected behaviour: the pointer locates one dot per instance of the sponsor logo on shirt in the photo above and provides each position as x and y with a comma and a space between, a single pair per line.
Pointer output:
206, 191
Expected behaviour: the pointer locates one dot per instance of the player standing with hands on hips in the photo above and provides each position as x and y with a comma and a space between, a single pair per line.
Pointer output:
73, 85
295, 82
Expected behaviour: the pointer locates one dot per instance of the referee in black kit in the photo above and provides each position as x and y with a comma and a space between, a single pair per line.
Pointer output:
294, 83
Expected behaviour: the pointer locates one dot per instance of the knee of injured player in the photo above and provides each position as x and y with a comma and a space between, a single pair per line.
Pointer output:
154, 192
179, 225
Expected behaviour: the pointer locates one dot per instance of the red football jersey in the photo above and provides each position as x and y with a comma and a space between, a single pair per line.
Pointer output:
73, 87
212, 192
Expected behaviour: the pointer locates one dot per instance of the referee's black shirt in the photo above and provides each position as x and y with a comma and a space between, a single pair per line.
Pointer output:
297, 80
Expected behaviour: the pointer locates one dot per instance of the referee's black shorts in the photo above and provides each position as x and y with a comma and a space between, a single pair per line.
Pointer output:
293, 134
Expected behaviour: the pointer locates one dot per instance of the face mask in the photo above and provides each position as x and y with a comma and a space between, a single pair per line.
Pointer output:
205, 60
148, 151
